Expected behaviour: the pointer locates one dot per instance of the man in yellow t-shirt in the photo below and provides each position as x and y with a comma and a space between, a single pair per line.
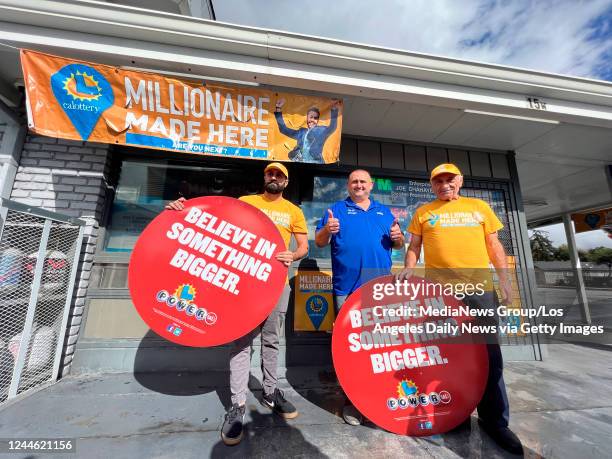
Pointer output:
289, 219
460, 234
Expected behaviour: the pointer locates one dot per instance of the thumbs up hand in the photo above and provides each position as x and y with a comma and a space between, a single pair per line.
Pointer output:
396, 232
333, 224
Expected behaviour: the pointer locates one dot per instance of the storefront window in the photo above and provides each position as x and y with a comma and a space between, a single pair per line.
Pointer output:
402, 196
145, 187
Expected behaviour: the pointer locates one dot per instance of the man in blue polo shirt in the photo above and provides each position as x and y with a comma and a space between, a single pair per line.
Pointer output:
362, 232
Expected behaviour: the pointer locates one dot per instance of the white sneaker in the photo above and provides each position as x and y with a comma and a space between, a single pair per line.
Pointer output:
351, 415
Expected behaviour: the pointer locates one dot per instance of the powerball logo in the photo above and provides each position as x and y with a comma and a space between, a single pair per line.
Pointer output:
409, 397
183, 300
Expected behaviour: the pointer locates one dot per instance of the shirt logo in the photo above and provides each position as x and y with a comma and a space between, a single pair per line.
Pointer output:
279, 218
456, 219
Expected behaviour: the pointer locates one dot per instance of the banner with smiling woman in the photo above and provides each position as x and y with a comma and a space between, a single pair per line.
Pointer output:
79, 100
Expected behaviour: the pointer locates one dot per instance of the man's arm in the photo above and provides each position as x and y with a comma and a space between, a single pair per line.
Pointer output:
414, 251
333, 120
282, 127
412, 256
278, 115
332, 226
323, 237
287, 257
497, 256
396, 235
302, 246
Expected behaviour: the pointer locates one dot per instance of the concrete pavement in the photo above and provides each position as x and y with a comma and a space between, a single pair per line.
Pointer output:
560, 408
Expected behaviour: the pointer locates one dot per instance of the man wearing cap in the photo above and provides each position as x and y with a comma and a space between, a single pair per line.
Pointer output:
362, 232
460, 233
310, 139
289, 220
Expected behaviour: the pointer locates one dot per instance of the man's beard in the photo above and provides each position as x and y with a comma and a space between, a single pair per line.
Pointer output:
274, 187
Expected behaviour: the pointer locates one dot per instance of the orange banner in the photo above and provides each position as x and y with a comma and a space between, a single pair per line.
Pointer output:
589, 221
80, 100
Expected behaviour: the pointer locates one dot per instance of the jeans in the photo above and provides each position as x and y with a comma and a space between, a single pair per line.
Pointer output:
493, 408
240, 354
338, 302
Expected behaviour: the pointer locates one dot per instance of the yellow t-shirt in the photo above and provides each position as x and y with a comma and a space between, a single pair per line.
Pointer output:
454, 232
287, 217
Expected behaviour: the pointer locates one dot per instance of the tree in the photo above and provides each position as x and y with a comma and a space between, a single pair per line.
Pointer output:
601, 256
541, 246
562, 253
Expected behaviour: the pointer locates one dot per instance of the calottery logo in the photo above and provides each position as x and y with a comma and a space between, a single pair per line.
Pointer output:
84, 94
82, 86
316, 303
316, 308
409, 397
183, 301
434, 219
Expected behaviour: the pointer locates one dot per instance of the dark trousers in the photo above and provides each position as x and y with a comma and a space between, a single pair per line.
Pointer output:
338, 302
493, 408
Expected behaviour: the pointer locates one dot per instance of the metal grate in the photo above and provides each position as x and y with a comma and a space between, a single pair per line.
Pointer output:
497, 196
38, 258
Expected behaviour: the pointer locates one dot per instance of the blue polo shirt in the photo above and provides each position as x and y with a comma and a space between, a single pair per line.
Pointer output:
361, 250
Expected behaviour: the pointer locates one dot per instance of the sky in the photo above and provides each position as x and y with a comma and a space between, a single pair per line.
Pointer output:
570, 37
584, 241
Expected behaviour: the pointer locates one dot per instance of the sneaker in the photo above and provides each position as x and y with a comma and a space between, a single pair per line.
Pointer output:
504, 437
279, 404
464, 427
351, 415
231, 432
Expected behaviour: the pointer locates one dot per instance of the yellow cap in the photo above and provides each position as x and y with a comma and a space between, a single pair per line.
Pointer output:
277, 166
445, 169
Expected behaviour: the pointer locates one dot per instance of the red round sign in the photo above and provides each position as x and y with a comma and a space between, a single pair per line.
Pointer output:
207, 275
416, 381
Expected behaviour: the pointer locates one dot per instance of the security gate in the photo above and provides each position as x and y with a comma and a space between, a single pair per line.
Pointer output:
39, 253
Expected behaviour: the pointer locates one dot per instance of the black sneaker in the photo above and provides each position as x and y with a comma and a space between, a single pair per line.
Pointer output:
463, 428
231, 432
279, 404
504, 438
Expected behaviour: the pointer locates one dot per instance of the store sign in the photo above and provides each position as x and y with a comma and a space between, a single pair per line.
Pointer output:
207, 275
401, 367
79, 100
589, 221
314, 301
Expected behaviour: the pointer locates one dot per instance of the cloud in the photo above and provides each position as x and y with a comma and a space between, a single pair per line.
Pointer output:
572, 37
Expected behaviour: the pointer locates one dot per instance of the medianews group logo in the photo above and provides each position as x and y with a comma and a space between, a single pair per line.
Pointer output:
408, 396
183, 300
